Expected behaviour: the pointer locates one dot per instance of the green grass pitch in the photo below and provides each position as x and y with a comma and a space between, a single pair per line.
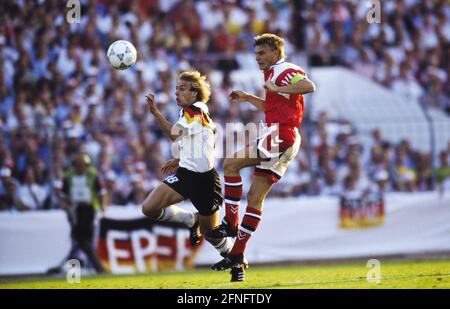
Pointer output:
394, 274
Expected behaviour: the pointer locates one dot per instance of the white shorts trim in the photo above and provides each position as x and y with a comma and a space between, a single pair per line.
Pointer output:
278, 165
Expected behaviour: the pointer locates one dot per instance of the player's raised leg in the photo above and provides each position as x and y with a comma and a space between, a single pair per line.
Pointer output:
159, 205
233, 190
258, 191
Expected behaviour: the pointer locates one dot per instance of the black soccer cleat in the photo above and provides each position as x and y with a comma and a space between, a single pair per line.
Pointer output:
224, 254
237, 274
231, 261
194, 232
223, 230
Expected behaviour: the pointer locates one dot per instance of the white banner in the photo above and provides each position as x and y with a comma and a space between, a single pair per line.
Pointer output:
291, 230
31, 242
308, 229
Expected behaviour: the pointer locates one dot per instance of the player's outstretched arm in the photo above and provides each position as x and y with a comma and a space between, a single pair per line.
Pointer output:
242, 96
165, 125
302, 86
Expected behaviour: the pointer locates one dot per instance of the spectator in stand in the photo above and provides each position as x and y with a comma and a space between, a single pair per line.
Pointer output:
137, 193
113, 195
328, 185
443, 173
9, 198
404, 174
32, 195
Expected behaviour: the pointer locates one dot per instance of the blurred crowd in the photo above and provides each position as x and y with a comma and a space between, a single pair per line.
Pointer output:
341, 163
408, 51
59, 96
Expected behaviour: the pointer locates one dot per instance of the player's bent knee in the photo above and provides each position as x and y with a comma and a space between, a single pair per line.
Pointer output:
150, 211
226, 165
145, 210
230, 166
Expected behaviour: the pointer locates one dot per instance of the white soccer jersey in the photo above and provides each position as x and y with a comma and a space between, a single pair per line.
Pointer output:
197, 144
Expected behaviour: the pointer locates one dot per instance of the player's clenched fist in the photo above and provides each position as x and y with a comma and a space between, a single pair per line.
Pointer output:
151, 103
238, 96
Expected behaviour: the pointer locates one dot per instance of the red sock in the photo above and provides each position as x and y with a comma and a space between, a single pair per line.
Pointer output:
233, 195
248, 226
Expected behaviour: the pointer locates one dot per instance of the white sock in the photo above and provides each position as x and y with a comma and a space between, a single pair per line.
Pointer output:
177, 214
224, 245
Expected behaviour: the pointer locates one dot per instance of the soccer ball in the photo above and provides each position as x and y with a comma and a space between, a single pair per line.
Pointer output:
121, 54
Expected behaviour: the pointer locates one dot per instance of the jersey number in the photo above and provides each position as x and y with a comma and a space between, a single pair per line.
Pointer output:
172, 179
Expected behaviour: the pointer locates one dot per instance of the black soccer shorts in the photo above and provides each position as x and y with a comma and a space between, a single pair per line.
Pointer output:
203, 189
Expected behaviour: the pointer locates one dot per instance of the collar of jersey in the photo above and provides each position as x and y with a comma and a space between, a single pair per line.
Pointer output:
193, 104
277, 63
201, 105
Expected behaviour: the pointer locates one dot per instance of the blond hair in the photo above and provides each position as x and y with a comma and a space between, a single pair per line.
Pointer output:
271, 40
198, 83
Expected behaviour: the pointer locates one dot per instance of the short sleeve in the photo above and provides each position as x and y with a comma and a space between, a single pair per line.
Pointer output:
292, 76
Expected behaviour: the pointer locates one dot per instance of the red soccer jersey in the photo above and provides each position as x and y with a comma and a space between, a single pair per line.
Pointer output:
282, 108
